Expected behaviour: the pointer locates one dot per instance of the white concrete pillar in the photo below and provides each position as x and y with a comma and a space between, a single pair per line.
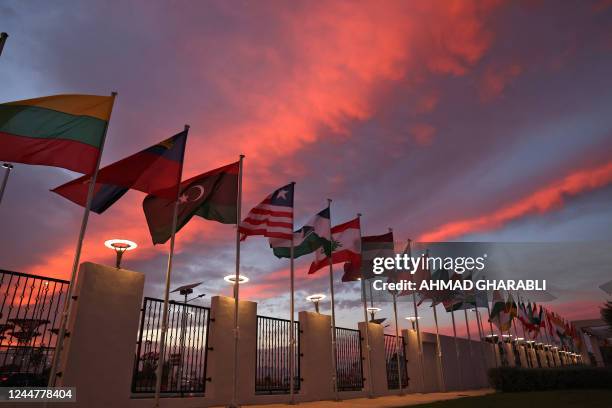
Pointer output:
220, 364
523, 355
316, 363
378, 377
100, 351
543, 359
509, 354
414, 368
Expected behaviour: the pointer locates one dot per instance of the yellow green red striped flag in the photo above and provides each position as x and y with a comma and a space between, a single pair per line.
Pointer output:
60, 130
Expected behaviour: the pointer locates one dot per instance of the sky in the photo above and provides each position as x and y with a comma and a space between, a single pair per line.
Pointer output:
457, 120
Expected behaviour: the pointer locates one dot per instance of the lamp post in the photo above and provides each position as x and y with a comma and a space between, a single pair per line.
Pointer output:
315, 299
120, 246
413, 320
373, 311
185, 291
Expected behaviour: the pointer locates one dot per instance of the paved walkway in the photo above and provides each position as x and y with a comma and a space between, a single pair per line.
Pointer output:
384, 402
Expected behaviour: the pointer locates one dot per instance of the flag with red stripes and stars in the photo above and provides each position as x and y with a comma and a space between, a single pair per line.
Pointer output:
272, 218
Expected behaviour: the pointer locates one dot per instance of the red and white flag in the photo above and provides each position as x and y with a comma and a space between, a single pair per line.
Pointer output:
345, 246
272, 218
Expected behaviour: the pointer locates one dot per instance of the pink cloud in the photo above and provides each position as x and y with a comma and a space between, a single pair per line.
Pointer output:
540, 201
423, 133
494, 81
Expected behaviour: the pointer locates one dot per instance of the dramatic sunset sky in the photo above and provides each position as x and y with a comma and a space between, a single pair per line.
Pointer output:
446, 120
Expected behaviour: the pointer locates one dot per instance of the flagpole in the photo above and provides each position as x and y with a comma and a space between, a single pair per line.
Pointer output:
164, 329
492, 337
397, 346
439, 351
367, 326
7, 171
333, 307
7, 166
397, 340
480, 337
418, 329
467, 327
457, 352
292, 331
234, 402
3, 37
67, 307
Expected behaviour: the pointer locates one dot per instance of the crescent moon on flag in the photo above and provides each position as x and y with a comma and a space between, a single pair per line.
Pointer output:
200, 192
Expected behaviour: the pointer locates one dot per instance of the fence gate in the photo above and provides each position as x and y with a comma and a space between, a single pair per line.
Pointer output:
272, 371
185, 352
349, 360
391, 359
30, 313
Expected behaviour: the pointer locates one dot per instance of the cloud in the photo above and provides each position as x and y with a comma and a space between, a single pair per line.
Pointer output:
423, 133
543, 200
494, 81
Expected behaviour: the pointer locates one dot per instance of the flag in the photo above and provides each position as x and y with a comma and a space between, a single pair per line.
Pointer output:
60, 130
155, 170
272, 218
474, 298
525, 316
502, 311
437, 296
307, 239
420, 275
556, 327
373, 246
212, 195
345, 246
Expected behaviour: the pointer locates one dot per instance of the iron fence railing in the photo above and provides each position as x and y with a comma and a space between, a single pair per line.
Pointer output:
391, 348
349, 359
185, 351
272, 371
30, 313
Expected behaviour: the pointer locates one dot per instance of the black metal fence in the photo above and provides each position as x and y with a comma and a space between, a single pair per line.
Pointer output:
391, 346
185, 353
272, 371
30, 313
349, 359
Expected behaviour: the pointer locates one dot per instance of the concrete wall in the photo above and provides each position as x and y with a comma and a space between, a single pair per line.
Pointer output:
375, 359
104, 326
316, 363
99, 354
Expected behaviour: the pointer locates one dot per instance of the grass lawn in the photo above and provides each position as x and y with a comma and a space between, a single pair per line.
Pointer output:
544, 399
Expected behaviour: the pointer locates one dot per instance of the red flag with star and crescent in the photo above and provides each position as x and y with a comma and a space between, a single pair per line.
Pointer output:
212, 195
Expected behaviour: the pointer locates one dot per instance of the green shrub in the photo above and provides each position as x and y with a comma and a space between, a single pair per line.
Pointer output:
509, 379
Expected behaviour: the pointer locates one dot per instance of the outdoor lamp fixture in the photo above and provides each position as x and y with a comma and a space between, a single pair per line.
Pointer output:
316, 298
413, 320
120, 246
232, 279
491, 337
373, 311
